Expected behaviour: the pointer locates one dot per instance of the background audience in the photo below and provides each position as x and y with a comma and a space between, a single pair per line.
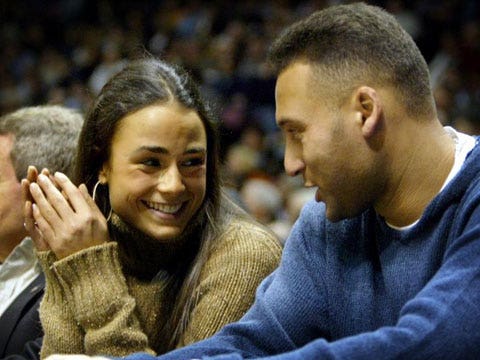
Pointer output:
63, 51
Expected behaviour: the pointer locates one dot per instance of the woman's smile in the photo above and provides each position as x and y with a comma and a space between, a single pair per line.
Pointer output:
165, 211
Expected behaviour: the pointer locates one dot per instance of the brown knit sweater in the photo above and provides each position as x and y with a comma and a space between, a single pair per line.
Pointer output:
114, 299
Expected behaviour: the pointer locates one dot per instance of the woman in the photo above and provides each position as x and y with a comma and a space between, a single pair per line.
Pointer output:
157, 257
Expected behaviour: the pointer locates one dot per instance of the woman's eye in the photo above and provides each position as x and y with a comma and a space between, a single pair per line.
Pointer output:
151, 162
194, 162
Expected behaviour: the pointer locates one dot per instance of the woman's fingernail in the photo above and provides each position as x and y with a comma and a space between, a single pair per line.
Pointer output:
61, 176
34, 187
42, 178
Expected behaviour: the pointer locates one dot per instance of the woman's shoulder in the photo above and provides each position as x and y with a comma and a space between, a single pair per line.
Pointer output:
248, 236
244, 251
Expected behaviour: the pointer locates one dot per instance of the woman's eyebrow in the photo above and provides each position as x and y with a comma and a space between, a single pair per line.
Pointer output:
195, 150
163, 150
154, 149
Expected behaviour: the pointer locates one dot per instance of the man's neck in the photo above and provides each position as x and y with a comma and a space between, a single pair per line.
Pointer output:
420, 167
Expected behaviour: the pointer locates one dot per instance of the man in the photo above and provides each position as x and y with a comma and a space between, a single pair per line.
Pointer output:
386, 263
44, 136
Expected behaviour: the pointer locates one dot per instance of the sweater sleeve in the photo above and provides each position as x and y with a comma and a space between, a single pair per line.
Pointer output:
243, 257
97, 293
62, 335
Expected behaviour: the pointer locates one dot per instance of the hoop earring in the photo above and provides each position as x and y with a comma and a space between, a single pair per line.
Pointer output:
94, 194
109, 215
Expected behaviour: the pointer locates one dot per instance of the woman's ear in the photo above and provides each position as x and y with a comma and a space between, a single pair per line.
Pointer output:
103, 174
369, 108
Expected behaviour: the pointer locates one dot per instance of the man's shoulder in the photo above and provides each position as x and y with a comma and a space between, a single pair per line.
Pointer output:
466, 183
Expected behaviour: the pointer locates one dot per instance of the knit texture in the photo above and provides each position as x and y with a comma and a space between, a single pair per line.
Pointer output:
358, 289
114, 299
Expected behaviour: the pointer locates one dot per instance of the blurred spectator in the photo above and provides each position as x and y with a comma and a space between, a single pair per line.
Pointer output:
110, 64
240, 162
63, 51
294, 202
262, 199
405, 16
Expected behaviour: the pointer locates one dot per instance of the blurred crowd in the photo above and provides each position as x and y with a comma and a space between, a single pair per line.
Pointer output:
63, 51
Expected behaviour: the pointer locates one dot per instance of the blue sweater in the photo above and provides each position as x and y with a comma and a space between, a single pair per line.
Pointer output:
358, 289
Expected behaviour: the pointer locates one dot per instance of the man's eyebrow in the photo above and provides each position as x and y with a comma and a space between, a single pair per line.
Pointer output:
285, 121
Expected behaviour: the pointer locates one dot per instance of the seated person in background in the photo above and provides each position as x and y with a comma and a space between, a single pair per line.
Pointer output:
386, 263
156, 258
45, 136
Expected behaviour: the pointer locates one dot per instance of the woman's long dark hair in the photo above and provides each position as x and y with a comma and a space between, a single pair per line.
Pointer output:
142, 83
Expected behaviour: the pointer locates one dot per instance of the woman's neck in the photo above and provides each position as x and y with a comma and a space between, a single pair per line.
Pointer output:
145, 256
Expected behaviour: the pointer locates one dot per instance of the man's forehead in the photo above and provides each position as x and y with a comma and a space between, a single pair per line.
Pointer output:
294, 73
294, 95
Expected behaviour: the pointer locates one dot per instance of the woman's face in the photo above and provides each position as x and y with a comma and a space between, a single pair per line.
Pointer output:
156, 172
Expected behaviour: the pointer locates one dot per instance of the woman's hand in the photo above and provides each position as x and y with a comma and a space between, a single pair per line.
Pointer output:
29, 221
66, 216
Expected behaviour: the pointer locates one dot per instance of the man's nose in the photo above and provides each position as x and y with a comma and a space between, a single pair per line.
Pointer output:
293, 164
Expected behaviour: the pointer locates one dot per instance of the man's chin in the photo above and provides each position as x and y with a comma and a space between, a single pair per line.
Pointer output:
334, 217
335, 214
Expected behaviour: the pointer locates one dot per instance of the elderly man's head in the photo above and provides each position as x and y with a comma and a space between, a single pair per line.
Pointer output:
44, 136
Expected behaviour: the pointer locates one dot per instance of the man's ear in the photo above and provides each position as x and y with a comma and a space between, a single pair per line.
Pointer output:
369, 110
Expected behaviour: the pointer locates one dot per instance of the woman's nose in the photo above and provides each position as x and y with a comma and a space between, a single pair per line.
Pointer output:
171, 181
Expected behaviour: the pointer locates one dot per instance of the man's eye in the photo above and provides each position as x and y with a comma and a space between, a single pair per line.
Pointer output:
293, 133
151, 162
291, 130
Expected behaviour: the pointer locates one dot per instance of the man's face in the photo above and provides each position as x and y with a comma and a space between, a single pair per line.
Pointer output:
11, 207
324, 144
